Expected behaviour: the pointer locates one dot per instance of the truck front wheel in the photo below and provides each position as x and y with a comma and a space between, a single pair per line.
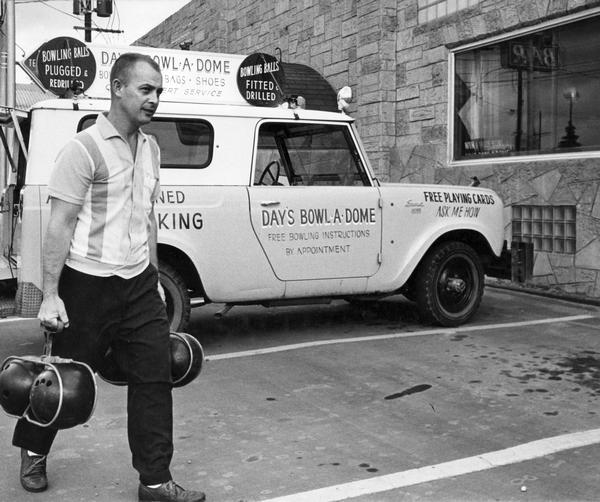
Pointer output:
177, 297
449, 285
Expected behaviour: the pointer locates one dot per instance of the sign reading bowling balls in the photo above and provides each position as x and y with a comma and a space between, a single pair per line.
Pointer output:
65, 64
259, 80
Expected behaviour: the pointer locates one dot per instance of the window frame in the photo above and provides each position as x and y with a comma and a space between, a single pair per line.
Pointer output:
349, 133
442, 9
451, 161
173, 120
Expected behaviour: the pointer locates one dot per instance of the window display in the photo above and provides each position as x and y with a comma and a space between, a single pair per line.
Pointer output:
536, 94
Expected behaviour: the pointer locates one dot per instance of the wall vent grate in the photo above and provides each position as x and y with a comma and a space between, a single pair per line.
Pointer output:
550, 228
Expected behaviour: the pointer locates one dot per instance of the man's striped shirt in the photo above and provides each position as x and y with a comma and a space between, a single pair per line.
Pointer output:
97, 170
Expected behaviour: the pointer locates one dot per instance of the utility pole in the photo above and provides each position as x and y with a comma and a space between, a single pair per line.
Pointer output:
87, 20
3, 57
103, 9
85, 7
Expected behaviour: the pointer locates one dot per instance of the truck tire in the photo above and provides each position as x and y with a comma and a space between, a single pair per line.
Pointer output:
450, 282
176, 296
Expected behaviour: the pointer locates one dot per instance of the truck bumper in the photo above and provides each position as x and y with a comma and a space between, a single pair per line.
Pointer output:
515, 263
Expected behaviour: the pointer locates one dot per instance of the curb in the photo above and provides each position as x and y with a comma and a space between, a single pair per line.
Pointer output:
544, 293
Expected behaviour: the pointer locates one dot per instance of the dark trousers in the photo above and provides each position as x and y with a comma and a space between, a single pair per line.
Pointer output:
128, 316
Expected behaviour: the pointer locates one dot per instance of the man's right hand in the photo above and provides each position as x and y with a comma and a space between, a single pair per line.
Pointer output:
52, 314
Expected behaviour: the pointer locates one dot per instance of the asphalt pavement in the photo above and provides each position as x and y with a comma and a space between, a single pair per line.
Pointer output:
357, 402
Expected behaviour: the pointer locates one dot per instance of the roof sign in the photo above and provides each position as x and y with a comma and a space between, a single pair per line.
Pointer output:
260, 79
67, 66
188, 76
63, 64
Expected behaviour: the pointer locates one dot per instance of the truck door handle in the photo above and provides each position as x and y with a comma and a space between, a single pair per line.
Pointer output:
270, 203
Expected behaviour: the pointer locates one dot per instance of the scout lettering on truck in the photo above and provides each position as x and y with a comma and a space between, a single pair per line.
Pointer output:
270, 205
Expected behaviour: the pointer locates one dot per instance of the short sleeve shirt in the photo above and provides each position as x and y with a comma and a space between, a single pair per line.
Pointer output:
116, 191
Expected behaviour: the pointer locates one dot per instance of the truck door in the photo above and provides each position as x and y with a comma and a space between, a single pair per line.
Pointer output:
313, 207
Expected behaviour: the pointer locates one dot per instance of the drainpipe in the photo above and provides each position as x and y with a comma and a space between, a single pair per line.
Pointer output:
7, 100
7, 77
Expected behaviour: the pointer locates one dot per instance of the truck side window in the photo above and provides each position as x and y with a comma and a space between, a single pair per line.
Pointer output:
184, 144
308, 154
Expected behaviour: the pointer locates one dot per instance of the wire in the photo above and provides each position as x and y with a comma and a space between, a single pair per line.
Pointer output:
114, 15
47, 4
109, 25
22, 50
117, 18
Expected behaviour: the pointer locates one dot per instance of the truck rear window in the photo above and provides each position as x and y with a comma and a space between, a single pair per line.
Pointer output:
184, 144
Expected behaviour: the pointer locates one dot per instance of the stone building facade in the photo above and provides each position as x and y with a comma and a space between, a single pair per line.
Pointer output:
403, 60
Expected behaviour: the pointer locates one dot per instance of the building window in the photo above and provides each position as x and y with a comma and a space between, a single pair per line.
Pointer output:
537, 94
550, 228
429, 10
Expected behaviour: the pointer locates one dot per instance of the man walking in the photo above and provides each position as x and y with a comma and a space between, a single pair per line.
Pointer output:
101, 279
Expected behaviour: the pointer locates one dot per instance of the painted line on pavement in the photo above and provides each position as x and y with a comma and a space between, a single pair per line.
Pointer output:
17, 319
437, 331
485, 461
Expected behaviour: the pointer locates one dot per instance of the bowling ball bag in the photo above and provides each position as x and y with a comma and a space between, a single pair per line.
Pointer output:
63, 395
187, 358
17, 375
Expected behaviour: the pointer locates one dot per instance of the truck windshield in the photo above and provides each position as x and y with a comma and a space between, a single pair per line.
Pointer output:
307, 154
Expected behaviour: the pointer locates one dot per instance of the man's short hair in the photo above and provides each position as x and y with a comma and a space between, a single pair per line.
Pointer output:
125, 62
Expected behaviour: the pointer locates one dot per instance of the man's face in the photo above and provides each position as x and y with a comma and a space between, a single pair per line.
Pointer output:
140, 93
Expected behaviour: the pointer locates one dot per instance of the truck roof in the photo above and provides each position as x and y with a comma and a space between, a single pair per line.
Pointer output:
68, 67
200, 109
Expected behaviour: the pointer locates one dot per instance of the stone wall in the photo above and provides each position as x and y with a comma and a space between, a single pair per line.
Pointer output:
398, 71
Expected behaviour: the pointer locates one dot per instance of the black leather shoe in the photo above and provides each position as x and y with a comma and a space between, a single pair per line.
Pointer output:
169, 492
33, 472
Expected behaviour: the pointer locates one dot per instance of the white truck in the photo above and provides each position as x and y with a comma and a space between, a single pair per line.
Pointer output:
270, 205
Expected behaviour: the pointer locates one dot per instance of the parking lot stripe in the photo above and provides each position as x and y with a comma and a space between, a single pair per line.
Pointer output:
485, 461
407, 334
6, 320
